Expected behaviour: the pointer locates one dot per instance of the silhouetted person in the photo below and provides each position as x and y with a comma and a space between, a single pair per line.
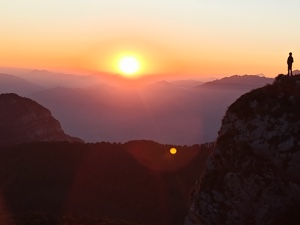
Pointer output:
290, 61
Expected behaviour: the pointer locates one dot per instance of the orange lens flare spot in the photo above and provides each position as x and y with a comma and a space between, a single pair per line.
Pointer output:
173, 151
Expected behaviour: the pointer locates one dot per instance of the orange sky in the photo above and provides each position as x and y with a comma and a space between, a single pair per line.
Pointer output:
189, 38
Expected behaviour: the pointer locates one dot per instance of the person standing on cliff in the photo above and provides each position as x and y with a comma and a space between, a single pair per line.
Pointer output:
290, 61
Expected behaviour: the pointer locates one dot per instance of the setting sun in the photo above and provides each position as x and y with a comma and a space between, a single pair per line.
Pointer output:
129, 65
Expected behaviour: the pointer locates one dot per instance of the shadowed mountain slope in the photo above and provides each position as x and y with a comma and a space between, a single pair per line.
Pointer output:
23, 120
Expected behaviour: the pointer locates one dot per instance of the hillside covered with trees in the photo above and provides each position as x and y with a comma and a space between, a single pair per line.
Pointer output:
138, 182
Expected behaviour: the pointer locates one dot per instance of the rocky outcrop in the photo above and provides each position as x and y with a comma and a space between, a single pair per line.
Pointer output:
23, 120
253, 175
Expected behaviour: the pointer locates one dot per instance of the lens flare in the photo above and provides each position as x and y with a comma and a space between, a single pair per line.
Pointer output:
173, 151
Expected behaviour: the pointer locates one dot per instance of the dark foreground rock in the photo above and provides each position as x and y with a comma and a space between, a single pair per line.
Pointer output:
253, 175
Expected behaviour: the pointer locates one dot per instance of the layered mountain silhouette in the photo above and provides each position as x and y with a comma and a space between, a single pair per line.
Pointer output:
23, 120
253, 175
14, 84
178, 112
160, 111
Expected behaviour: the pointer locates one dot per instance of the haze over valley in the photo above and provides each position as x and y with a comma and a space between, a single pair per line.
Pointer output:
103, 107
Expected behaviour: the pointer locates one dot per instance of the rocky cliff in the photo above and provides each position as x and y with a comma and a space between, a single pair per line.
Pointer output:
23, 120
253, 175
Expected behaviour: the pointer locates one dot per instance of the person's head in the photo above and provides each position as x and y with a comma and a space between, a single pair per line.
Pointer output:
290, 53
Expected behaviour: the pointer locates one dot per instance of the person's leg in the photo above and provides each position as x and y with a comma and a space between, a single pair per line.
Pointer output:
289, 70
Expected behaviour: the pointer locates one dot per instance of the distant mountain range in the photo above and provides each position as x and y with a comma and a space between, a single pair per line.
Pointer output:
246, 82
177, 112
11, 83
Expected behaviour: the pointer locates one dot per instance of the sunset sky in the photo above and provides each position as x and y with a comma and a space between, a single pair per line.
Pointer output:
194, 38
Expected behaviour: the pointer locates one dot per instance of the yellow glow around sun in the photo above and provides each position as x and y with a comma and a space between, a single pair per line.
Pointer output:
129, 65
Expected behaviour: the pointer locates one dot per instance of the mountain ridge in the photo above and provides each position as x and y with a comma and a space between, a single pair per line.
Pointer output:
23, 120
14, 84
238, 82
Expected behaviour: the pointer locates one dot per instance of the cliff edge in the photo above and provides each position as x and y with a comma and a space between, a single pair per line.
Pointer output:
253, 178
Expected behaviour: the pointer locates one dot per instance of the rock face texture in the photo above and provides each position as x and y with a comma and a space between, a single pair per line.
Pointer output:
253, 177
23, 120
